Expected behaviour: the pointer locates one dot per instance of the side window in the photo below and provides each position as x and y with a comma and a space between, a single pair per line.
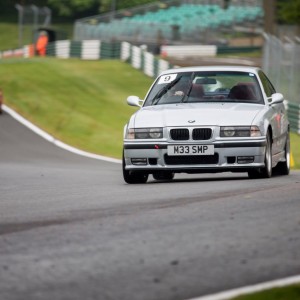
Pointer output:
268, 86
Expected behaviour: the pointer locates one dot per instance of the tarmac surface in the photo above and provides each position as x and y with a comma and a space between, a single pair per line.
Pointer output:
70, 228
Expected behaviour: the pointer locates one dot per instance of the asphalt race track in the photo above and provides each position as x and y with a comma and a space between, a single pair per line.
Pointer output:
70, 228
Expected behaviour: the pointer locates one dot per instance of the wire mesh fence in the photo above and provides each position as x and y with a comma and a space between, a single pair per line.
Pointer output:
282, 64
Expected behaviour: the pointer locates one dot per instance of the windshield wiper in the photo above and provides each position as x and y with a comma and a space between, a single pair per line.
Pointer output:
186, 96
162, 91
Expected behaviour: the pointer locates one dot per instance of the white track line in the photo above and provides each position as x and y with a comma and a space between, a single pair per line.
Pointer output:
53, 140
251, 289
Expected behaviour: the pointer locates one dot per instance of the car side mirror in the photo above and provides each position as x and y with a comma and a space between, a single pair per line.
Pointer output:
134, 101
276, 98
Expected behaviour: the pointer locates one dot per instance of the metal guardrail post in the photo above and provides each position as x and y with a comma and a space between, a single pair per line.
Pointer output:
20, 22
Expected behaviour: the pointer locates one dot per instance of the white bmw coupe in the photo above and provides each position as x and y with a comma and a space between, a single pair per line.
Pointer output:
207, 119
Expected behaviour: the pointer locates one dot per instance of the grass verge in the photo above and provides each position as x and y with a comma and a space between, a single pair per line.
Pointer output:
79, 102
295, 148
285, 293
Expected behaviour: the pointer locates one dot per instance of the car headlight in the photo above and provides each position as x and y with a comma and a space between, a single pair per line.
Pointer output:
144, 133
240, 131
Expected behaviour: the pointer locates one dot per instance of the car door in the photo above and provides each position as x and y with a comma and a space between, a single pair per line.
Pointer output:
277, 116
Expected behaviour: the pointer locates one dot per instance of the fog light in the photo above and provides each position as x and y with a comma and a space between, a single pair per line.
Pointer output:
139, 161
152, 161
231, 159
245, 159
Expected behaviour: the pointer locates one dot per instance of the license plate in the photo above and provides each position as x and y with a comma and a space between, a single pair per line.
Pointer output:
191, 150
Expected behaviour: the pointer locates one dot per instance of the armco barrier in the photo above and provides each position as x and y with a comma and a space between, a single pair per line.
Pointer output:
293, 112
143, 60
89, 49
235, 50
26, 51
181, 51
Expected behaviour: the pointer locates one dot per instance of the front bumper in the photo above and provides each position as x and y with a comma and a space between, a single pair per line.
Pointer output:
233, 156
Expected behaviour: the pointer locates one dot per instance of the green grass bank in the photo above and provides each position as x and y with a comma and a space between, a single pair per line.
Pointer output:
285, 293
82, 103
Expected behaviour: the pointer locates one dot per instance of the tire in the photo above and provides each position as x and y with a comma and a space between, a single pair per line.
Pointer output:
163, 175
266, 171
132, 177
283, 167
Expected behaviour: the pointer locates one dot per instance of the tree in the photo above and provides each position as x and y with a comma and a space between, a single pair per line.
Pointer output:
269, 21
73, 8
121, 4
289, 11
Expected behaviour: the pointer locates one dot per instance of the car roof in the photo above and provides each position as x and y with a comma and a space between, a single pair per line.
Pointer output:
213, 68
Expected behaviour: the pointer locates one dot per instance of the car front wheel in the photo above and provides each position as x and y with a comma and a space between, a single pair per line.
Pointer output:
283, 167
132, 177
266, 171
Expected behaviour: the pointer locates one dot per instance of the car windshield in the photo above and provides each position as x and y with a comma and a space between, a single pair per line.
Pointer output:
212, 86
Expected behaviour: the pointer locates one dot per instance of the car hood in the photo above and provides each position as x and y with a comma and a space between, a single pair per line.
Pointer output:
196, 114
